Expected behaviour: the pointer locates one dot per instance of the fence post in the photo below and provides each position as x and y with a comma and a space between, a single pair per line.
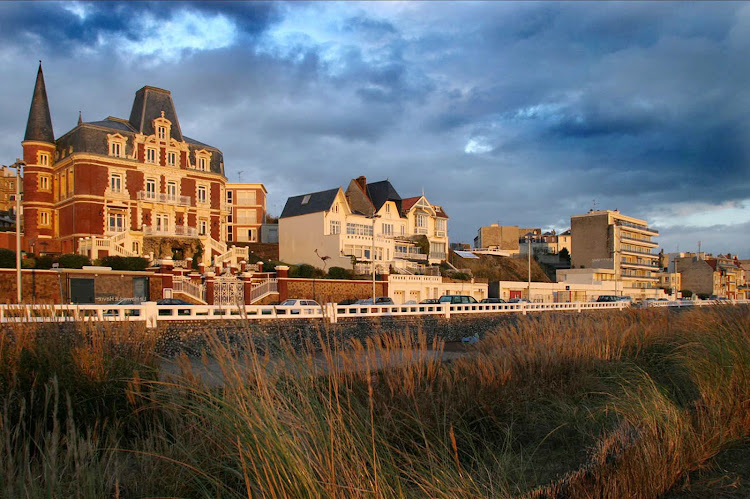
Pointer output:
447, 310
150, 313
332, 313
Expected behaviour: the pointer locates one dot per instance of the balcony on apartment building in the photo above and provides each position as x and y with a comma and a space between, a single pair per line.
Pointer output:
642, 242
409, 255
164, 198
640, 265
643, 228
179, 230
640, 252
633, 275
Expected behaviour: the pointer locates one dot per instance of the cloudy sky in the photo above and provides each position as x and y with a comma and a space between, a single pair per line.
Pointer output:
518, 113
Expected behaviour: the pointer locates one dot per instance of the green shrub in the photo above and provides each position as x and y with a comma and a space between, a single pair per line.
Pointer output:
73, 261
339, 273
7, 258
306, 271
43, 262
460, 276
124, 263
686, 293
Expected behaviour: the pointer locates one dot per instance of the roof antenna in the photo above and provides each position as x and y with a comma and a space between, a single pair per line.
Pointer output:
80, 119
239, 176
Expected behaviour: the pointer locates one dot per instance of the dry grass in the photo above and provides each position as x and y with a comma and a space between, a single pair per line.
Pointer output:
592, 405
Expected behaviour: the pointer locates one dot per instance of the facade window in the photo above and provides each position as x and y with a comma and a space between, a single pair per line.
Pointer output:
150, 155
44, 159
116, 222
359, 229
229, 233
335, 227
162, 223
387, 208
229, 217
115, 149
70, 182
422, 221
171, 158
336, 208
115, 183
162, 132
136, 248
150, 188
201, 194
172, 191
229, 197
251, 235
246, 198
44, 218
246, 217
388, 229
202, 164
44, 183
202, 227
440, 224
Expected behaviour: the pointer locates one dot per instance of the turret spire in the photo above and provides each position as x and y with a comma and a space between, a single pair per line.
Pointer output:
39, 125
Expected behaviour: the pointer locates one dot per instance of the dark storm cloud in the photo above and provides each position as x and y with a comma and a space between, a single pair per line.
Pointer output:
524, 113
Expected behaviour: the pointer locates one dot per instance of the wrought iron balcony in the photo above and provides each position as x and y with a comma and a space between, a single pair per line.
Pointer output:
164, 198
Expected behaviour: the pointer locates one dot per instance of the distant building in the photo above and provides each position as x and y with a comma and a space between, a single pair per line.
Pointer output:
498, 237
7, 189
246, 211
368, 223
607, 239
719, 276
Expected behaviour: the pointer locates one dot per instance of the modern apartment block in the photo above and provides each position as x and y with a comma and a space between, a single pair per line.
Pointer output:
246, 208
127, 187
498, 237
366, 224
607, 239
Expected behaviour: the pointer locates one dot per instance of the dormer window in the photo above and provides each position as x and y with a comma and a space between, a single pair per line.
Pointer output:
116, 145
162, 133
202, 160
162, 127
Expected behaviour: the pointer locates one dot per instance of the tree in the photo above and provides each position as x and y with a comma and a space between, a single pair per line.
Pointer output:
686, 293
564, 255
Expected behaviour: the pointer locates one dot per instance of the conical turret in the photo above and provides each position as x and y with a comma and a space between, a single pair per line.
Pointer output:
39, 125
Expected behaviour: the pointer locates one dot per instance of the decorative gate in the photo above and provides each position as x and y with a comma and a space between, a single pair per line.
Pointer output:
228, 291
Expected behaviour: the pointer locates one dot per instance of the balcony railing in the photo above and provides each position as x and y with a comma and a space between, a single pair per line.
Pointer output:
636, 226
640, 251
403, 255
439, 233
160, 197
180, 230
641, 265
435, 255
645, 242
420, 230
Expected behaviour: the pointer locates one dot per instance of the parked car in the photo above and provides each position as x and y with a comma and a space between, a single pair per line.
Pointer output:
172, 301
350, 301
628, 299
492, 300
129, 301
410, 302
607, 298
457, 299
429, 301
128, 313
294, 306
379, 300
518, 300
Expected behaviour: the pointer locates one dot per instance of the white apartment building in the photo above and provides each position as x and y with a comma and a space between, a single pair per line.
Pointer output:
367, 223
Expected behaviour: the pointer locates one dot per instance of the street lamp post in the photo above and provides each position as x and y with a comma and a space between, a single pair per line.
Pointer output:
372, 257
17, 165
529, 235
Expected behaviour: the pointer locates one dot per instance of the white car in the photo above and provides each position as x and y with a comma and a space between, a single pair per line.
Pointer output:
296, 307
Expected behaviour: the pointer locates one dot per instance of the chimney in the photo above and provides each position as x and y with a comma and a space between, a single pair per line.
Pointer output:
362, 181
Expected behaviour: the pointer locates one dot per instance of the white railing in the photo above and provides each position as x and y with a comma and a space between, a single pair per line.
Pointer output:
91, 246
160, 197
179, 230
692, 303
409, 256
151, 313
263, 289
212, 245
234, 255
185, 285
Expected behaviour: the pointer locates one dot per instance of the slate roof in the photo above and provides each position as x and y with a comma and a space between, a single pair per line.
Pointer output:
319, 201
148, 105
380, 192
39, 124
